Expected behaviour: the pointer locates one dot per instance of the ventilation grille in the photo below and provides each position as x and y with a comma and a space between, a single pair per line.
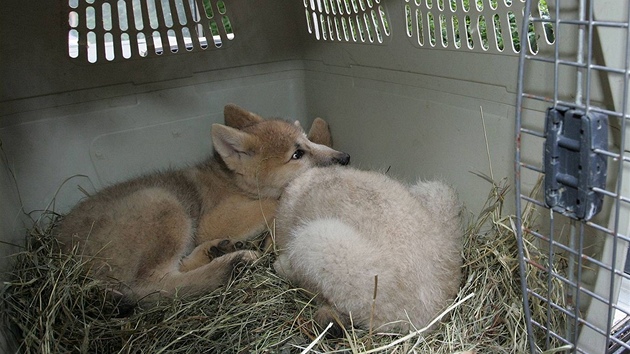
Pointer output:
478, 25
360, 21
113, 30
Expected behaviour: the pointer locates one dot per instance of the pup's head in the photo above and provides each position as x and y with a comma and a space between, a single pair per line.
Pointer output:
266, 155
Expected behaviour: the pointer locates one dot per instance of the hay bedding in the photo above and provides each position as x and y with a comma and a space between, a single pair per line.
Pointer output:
53, 307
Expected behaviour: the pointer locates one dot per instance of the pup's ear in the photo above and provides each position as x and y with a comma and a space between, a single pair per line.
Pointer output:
320, 133
233, 145
237, 117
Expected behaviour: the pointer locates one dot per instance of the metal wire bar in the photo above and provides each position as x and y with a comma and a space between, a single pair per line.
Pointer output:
616, 307
579, 289
613, 24
614, 155
580, 53
594, 327
556, 55
578, 320
532, 132
606, 69
552, 333
546, 239
593, 225
622, 147
619, 342
517, 177
533, 168
612, 194
550, 257
531, 200
576, 106
556, 335
601, 228
569, 282
553, 304
578, 65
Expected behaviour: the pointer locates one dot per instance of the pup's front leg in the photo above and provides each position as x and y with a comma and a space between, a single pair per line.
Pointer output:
237, 218
227, 227
200, 280
207, 251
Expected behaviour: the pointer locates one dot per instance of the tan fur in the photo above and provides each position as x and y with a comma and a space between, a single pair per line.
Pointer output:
339, 227
320, 133
178, 231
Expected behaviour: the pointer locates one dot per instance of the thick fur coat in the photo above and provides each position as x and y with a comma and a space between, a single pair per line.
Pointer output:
337, 228
179, 231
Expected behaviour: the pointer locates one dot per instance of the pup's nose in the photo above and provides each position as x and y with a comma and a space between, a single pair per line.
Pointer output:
343, 159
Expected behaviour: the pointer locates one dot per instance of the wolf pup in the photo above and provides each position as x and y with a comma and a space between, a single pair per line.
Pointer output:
376, 252
178, 231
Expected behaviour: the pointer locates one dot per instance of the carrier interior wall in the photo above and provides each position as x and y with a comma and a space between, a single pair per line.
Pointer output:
418, 125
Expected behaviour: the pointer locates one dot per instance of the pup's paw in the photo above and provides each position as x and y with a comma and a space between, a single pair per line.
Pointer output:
218, 248
210, 251
245, 257
241, 259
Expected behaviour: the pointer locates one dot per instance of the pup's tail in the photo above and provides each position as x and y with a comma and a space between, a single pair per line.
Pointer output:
440, 199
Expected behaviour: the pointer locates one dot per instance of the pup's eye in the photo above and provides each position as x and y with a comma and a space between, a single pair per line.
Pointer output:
297, 155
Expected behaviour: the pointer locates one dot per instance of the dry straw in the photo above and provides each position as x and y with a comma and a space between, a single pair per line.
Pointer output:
53, 307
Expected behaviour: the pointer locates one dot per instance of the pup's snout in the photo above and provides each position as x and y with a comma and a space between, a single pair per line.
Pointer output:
343, 159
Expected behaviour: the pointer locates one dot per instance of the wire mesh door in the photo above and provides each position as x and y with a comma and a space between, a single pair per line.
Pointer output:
572, 177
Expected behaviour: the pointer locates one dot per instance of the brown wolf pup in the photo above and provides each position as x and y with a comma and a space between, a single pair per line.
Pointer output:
338, 228
178, 231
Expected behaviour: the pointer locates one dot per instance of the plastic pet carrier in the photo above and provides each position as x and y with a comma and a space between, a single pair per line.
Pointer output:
507, 100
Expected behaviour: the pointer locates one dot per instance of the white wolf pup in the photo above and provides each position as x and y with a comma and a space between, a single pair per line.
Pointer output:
338, 228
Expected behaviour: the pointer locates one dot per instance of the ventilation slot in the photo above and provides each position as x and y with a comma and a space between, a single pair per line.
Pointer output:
361, 21
483, 25
115, 30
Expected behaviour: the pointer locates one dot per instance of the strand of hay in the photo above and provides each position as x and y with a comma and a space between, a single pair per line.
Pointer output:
55, 308
494, 321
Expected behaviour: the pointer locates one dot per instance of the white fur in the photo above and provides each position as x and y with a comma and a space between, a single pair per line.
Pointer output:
339, 227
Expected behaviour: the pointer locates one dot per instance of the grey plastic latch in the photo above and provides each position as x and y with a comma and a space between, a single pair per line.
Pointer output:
572, 167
